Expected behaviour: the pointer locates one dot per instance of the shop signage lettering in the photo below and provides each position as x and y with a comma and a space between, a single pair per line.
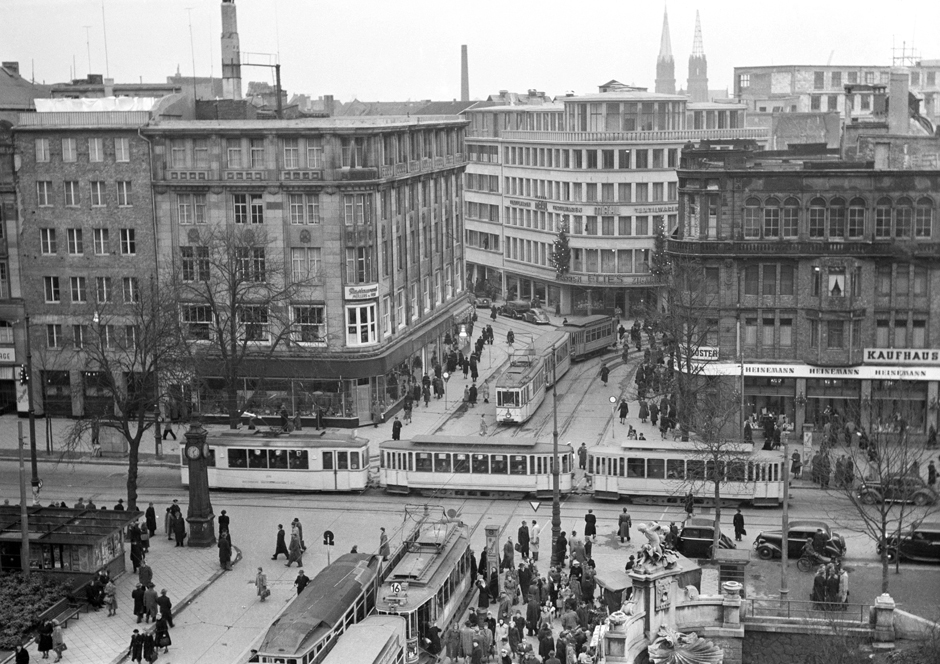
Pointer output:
642, 280
761, 371
705, 354
833, 371
566, 208
862, 372
900, 373
7, 355
902, 356
516, 203
368, 292
606, 210
657, 209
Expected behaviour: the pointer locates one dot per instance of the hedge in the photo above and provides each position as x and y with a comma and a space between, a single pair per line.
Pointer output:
22, 599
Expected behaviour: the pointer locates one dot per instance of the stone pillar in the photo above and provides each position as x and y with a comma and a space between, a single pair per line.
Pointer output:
865, 398
731, 603
800, 415
200, 517
883, 621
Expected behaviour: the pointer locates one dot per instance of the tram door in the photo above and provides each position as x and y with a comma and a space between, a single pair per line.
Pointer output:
336, 465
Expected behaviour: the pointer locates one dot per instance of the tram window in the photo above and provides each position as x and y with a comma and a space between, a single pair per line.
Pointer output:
507, 398
383, 460
736, 471
517, 464
636, 467
327, 461
277, 458
498, 465
481, 463
461, 463
258, 459
675, 469
423, 462
354, 460
566, 463
297, 460
775, 469
590, 464
342, 461
656, 469
441, 463
238, 458
210, 460
695, 469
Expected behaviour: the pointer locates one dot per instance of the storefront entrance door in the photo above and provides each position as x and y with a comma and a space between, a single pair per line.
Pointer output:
364, 401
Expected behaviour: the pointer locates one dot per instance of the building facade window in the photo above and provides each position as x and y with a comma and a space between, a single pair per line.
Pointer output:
310, 324
102, 290
233, 152
122, 149
97, 193
69, 153
248, 208
51, 290
835, 334
47, 241
70, 188
100, 237
128, 241
44, 193
191, 208
256, 152
361, 325
42, 149
304, 208
124, 193
79, 290
291, 153
254, 322
95, 149
75, 241
197, 320
54, 338
131, 290
305, 262
194, 263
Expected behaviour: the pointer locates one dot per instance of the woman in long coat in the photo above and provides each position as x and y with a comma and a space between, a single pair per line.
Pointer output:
151, 515
162, 635
150, 647
296, 552
452, 643
45, 639
168, 522
483, 599
225, 551
179, 529
58, 640
832, 587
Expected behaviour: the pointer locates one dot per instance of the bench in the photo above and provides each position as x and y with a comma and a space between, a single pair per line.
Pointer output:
71, 611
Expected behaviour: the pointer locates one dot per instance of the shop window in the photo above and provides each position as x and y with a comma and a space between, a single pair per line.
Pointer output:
752, 218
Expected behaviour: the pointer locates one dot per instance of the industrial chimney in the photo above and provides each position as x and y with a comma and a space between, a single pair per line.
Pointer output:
464, 75
231, 58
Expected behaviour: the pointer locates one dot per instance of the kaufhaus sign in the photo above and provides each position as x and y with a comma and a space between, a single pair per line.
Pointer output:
915, 356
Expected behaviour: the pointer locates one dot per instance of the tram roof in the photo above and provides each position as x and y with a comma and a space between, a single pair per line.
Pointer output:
645, 446
366, 640
472, 444
426, 565
316, 611
294, 439
585, 321
550, 339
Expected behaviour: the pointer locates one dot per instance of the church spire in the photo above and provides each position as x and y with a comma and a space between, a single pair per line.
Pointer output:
665, 43
697, 49
665, 65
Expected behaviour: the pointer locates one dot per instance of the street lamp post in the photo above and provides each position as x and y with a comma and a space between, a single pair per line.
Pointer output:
446, 377
556, 494
34, 464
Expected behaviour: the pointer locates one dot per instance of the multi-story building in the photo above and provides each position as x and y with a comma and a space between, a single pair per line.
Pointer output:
86, 241
367, 210
603, 168
820, 88
822, 274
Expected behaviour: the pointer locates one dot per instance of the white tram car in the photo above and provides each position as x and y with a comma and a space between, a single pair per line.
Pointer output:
473, 466
268, 460
590, 335
664, 472
520, 390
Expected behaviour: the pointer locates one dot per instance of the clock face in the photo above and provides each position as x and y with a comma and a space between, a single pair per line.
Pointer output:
192, 452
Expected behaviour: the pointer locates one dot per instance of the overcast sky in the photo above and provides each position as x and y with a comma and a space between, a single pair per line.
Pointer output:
410, 49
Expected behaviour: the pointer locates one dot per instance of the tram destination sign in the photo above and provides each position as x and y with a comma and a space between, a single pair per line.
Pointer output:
907, 356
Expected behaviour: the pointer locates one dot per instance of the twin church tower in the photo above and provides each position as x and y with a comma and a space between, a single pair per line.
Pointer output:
698, 65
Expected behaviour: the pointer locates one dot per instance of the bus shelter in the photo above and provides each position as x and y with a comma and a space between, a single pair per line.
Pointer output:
70, 542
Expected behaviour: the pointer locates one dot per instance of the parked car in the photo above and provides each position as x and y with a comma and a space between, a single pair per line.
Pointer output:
921, 543
481, 302
897, 488
769, 543
515, 308
697, 537
536, 316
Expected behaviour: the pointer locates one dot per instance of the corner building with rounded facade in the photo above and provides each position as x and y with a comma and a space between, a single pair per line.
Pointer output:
600, 166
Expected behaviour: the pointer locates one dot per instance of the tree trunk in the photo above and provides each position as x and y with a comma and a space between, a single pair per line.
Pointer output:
234, 416
717, 520
133, 456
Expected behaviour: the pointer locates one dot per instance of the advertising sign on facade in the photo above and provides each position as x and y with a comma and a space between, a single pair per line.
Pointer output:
7, 355
918, 356
365, 292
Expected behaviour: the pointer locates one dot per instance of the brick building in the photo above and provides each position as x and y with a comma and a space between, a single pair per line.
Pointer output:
86, 241
367, 210
602, 166
823, 272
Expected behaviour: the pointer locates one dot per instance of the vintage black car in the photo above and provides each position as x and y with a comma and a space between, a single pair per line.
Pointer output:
897, 488
769, 543
921, 542
697, 537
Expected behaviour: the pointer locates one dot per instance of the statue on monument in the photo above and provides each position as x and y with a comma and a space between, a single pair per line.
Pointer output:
672, 647
653, 554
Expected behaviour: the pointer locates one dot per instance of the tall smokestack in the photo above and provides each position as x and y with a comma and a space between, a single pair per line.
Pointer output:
231, 58
464, 75
899, 118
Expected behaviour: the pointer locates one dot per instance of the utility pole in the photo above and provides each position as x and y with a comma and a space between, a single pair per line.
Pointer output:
784, 544
556, 497
24, 510
34, 465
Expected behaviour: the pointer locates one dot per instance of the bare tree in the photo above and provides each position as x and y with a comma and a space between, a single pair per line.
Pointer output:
126, 348
233, 289
879, 468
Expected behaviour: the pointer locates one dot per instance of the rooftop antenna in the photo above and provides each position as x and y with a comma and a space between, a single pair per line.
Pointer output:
88, 44
192, 50
104, 29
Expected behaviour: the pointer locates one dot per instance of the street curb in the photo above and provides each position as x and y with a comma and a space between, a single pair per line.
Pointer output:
186, 601
101, 461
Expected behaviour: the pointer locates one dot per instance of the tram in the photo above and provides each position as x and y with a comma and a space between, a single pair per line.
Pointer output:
295, 461
520, 390
590, 335
429, 583
375, 640
341, 595
661, 472
472, 466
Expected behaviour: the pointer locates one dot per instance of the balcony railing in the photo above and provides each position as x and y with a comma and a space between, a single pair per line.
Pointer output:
663, 135
787, 247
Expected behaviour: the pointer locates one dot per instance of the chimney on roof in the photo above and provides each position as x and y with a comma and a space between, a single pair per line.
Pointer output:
464, 75
899, 119
109, 87
12, 67
328, 104
231, 57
